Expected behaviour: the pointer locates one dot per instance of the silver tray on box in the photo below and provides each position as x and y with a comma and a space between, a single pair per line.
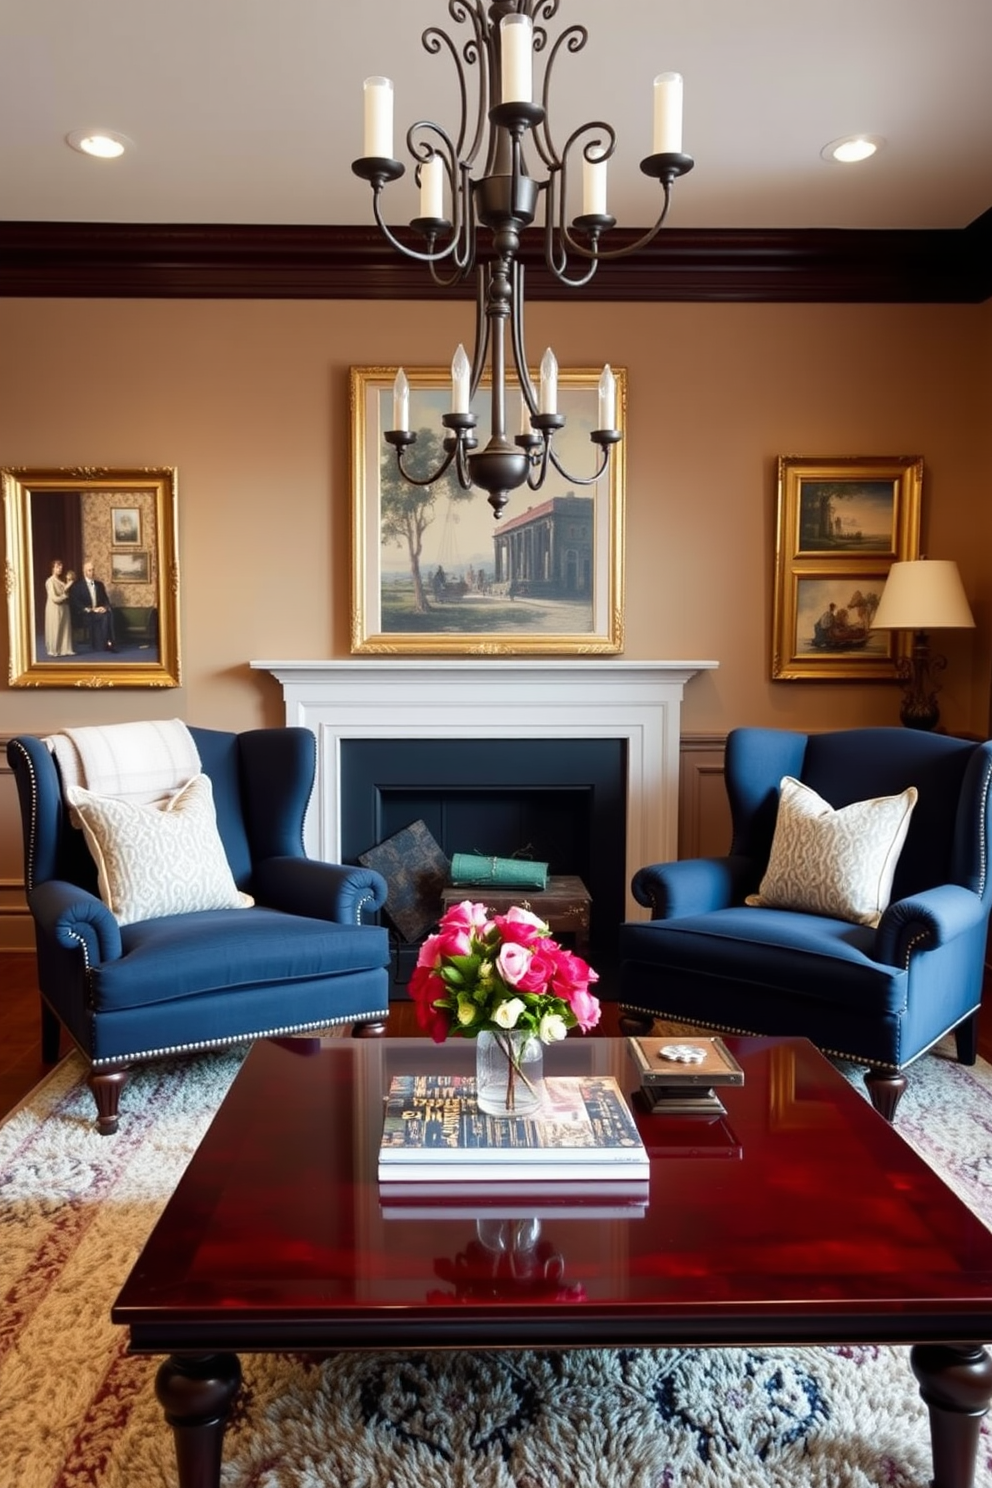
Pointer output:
680, 1075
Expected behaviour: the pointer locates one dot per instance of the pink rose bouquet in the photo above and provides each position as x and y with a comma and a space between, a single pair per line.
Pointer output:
498, 974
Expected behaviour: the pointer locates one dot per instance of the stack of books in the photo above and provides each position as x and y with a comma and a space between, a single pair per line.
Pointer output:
583, 1149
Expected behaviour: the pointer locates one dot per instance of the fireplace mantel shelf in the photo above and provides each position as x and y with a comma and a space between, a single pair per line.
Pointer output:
487, 666
498, 697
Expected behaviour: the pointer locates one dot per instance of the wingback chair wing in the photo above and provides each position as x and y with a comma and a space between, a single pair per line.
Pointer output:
299, 959
878, 995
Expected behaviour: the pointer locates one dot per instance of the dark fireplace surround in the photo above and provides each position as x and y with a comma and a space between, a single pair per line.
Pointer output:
559, 801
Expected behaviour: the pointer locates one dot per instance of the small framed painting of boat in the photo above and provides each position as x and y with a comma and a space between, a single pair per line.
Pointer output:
841, 524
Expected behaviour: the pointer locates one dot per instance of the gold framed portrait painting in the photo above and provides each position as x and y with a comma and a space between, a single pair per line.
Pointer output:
86, 606
841, 524
435, 574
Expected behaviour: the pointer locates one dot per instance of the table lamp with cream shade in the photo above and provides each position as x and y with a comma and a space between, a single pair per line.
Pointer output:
922, 595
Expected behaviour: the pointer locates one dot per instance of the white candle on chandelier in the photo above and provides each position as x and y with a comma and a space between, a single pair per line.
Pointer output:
549, 383
432, 188
461, 375
668, 114
525, 424
401, 402
594, 188
517, 56
378, 118
607, 399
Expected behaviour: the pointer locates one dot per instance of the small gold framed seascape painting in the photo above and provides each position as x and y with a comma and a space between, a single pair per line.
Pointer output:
841, 524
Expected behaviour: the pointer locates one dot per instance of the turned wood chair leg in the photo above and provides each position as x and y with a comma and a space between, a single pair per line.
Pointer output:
369, 1030
106, 1085
966, 1040
51, 1034
885, 1088
635, 1024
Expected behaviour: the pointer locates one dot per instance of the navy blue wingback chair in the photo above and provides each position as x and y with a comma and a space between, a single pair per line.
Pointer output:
300, 960
876, 996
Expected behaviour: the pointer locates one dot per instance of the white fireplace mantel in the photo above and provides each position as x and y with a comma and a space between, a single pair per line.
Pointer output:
497, 698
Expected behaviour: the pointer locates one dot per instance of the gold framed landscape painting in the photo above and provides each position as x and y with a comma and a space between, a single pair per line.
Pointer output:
87, 606
841, 524
434, 573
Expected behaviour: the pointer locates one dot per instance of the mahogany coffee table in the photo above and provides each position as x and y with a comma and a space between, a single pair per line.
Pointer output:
800, 1217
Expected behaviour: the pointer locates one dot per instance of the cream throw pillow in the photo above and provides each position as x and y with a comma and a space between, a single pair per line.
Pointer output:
158, 861
838, 863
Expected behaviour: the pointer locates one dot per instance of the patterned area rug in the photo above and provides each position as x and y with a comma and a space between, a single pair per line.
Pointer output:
75, 1209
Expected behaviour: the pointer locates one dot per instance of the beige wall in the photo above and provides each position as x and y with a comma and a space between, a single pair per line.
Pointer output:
249, 400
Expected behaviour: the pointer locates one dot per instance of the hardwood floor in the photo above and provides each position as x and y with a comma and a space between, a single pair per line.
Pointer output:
21, 1065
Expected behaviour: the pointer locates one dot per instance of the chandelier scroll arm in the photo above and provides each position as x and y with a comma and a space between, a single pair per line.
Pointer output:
538, 448
402, 439
517, 338
414, 480
434, 39
573, 39
461, 248
604, 460
429, 258
666, 168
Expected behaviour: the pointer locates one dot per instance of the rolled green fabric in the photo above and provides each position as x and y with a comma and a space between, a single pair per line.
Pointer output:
507, 873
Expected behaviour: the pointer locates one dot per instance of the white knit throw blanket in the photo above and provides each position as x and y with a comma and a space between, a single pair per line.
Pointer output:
141, 762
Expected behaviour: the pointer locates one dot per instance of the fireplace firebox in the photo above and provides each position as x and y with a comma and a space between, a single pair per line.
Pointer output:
558, 801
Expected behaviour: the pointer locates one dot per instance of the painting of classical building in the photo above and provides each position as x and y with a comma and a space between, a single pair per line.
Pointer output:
547, 551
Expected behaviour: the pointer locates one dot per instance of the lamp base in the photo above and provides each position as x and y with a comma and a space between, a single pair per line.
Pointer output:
919, 706
919, 714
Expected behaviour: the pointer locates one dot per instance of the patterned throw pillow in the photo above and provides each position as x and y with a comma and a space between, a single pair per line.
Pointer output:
416, 870
153, 862
839, 863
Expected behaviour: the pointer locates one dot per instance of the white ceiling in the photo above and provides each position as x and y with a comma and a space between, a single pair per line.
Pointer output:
249, 111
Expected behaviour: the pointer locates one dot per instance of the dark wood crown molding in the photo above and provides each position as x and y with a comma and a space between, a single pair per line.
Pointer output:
162, 261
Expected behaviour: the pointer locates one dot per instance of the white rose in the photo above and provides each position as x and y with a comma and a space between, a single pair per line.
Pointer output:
508, 1013
552, 1028
526, 917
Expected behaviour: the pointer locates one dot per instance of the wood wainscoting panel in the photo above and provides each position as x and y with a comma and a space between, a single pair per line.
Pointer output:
704, 813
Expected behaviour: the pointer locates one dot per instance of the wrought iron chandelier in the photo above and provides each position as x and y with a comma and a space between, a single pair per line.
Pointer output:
504, 199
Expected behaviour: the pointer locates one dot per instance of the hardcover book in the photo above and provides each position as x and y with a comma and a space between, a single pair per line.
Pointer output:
433, 1130
563, 1199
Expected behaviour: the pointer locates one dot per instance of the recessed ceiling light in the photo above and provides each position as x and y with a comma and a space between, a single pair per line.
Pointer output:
852, 148
106, 144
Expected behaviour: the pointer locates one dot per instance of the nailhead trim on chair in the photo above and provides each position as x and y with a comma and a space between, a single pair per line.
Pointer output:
368, 899
750, 1033
29, 884
236, 1038
879, 1064
984, 845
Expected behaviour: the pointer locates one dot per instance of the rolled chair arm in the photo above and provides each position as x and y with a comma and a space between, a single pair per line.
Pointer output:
693, 885
323, 891
73, 918
925, 921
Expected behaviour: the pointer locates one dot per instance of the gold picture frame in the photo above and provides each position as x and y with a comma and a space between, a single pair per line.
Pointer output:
841, 524
433, 576
66, 516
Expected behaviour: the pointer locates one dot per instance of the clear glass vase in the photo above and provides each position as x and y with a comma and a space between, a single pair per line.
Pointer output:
509, 1073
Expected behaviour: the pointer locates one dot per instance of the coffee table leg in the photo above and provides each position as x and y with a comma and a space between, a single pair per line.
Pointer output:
197, 1392
956, 1384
